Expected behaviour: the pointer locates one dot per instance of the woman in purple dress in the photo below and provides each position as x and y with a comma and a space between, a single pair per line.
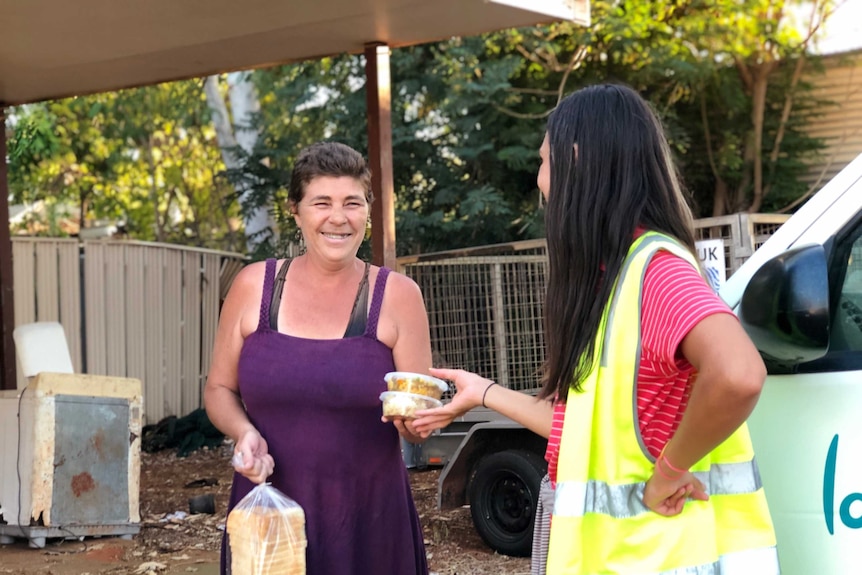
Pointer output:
298, 364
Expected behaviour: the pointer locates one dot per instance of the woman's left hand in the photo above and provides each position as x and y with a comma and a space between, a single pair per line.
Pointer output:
668, 496
252, 458
405, 429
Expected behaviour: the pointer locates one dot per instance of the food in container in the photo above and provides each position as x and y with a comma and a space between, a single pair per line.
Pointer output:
403, 404
417, 383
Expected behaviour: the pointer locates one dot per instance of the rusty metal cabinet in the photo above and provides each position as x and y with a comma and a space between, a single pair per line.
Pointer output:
70, 448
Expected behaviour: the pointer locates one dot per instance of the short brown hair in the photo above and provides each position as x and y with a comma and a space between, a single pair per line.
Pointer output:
328, 159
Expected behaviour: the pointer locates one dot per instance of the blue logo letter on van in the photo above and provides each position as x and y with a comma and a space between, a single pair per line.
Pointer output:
829, 494
829, 485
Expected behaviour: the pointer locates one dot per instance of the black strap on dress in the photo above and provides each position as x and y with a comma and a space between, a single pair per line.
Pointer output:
358, 315
277, 288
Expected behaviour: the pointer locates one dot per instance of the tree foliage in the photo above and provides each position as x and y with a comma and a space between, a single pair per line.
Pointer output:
468, 115
143, 158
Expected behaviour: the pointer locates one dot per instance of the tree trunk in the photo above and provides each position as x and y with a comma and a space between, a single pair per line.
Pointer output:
221, 122
82, 210
154, 192
238, 133
761, 75
719, 199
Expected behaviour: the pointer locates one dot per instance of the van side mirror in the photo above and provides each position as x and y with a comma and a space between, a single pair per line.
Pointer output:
785, 307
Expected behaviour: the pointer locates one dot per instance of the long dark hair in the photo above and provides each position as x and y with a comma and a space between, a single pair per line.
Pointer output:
611, 172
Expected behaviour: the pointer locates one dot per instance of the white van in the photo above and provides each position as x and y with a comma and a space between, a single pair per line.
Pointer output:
799, 297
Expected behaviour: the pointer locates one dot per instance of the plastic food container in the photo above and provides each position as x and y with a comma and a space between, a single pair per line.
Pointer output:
403, 404
417, 383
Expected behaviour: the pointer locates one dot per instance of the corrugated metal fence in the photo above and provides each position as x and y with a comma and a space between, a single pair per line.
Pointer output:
839, 122
129, 309
485, 304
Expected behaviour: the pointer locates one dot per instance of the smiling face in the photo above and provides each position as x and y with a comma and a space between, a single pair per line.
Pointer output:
332, 216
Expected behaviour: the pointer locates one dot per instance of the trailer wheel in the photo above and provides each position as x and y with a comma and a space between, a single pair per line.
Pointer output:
504, 493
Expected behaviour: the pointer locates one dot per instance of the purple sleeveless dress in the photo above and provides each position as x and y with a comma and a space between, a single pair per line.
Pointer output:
317, 404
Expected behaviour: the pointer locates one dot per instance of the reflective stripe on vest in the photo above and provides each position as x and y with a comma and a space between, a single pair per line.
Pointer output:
600, 524
573, 498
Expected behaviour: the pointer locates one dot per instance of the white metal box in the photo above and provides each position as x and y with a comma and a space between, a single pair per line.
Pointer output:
70, 457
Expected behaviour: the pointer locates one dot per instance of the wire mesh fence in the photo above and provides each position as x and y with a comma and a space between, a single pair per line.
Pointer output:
485, 311
485, 304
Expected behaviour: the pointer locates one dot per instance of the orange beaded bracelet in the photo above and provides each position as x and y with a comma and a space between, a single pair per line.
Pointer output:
671, 465
663, 474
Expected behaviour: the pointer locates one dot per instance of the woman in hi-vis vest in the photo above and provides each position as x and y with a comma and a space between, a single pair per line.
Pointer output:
649, 376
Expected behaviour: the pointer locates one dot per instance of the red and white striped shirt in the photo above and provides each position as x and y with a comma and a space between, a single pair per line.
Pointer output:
675, 299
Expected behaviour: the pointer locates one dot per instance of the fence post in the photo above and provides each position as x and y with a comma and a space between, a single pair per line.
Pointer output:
8, 369
500, 326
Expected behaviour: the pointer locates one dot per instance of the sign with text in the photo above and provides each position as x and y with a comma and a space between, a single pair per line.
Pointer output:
711, 256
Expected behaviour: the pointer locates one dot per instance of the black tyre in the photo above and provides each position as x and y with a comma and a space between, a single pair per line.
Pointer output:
504, 493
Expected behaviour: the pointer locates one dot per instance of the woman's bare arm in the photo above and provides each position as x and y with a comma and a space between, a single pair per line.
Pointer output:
533, 413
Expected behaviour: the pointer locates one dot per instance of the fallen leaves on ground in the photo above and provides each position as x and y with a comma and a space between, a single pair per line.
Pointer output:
172, 539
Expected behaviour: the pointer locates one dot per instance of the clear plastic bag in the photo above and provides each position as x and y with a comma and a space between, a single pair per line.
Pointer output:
266, 533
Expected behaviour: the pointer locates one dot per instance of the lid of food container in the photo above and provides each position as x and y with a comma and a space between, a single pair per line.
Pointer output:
444, 387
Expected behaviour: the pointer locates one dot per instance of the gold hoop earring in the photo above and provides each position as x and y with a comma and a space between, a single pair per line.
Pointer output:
300, 242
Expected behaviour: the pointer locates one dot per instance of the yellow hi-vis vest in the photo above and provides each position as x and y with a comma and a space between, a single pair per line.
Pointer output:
600, 524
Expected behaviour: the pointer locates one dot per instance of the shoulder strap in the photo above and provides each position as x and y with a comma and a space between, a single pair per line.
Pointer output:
266, 298
359, 314
376, 302
276, 295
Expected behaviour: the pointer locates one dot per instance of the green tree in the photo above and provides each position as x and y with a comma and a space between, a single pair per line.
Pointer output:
467, 116
146, 158
760, 52
58, 154
726, 78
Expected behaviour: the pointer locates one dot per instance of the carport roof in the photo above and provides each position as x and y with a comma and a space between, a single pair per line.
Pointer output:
55, 48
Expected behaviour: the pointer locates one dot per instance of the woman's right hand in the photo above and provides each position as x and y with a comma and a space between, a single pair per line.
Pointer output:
469, 390
667, 496
251, 457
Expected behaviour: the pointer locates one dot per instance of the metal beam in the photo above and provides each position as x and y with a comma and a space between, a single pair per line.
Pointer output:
7, 303
379, 112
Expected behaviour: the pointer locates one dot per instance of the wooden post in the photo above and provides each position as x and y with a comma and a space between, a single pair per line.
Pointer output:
8, 375
498, 314
379, 113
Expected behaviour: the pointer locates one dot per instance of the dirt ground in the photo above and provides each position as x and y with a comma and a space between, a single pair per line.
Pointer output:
172, 542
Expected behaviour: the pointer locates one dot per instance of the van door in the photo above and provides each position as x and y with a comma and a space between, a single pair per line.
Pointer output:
807, 432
